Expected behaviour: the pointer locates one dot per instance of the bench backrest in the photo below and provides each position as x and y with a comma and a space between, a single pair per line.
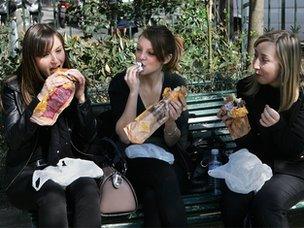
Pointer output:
203, 121
202, 107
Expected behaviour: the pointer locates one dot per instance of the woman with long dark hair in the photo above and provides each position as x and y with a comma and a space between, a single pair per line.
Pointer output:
33, 147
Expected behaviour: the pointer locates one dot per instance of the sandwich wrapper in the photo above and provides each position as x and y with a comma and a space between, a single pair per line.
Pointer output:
55, 101
235, 109
153, 117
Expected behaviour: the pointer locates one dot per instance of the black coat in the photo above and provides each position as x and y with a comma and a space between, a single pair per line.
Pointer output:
119, 92
282, 145
28, 141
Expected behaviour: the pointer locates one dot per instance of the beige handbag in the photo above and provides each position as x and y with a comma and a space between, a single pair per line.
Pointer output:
117, 194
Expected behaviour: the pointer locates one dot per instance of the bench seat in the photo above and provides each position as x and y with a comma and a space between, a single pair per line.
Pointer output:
201, 208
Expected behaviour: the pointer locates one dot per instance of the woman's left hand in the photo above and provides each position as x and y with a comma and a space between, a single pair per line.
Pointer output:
80, 85
176, 109
269, 117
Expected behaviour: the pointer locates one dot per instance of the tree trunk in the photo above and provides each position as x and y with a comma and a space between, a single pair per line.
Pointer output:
256, 23
209, 21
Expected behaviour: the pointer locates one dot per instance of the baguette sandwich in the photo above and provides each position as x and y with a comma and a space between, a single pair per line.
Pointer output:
55, 101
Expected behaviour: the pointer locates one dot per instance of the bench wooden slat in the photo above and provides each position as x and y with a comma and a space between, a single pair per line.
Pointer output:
206, 112
204, 119
222, 93
203, 126
206, 105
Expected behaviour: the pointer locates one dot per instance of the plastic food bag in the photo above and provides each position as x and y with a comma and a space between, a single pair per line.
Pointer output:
66, 171
153, 117
243, 173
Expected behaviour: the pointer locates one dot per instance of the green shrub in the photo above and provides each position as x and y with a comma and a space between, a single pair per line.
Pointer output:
99, 61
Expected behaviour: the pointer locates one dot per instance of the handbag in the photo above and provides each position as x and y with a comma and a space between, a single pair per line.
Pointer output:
117, 194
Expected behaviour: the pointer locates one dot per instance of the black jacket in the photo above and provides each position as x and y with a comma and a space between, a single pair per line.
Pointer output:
282, 145
28, 141
119, 92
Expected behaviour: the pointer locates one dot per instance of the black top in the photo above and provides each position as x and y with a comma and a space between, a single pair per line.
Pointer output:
27, 141
119, 92
281, 146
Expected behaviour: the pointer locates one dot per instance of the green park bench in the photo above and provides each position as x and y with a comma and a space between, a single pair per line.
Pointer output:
202, 208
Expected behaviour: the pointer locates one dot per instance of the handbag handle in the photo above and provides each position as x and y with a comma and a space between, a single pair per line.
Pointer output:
118, 159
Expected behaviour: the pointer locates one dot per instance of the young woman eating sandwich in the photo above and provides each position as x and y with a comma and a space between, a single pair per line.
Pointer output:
274, 99
36, 144
131, 92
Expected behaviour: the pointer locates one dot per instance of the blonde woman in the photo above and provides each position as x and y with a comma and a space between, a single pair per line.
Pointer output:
275, 102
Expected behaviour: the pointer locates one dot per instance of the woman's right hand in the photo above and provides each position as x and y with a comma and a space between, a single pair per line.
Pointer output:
237, 127
132, 79
49, 83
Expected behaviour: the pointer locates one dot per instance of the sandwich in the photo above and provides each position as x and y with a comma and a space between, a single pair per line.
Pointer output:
153, 117
139, 65
177, 93
56, 100
235, 109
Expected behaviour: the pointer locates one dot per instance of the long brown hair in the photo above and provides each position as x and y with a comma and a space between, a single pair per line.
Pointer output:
164, 43
288, 50
38, 39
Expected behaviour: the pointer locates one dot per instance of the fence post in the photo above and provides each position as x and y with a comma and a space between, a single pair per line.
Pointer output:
295, 14
268, 22
283, 14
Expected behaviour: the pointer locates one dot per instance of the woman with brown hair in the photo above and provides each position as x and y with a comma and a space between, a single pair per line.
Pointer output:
150, 164
33, 147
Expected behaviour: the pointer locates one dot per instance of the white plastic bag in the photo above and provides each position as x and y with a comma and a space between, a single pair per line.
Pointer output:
66, 171
243, 173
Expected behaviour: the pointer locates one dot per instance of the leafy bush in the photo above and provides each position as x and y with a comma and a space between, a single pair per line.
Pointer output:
100, 61
204, 61
8, 62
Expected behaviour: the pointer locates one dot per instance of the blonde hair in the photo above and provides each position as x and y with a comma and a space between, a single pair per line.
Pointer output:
288, 50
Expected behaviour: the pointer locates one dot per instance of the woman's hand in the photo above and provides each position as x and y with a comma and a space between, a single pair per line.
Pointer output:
238, 127
132, 79
171, 131
222, 114
176, 108
51, 82
80, 85
269, 117
175, 111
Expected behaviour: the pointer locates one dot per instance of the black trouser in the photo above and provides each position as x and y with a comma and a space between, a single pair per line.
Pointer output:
51, 201
156, 185
267, 208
